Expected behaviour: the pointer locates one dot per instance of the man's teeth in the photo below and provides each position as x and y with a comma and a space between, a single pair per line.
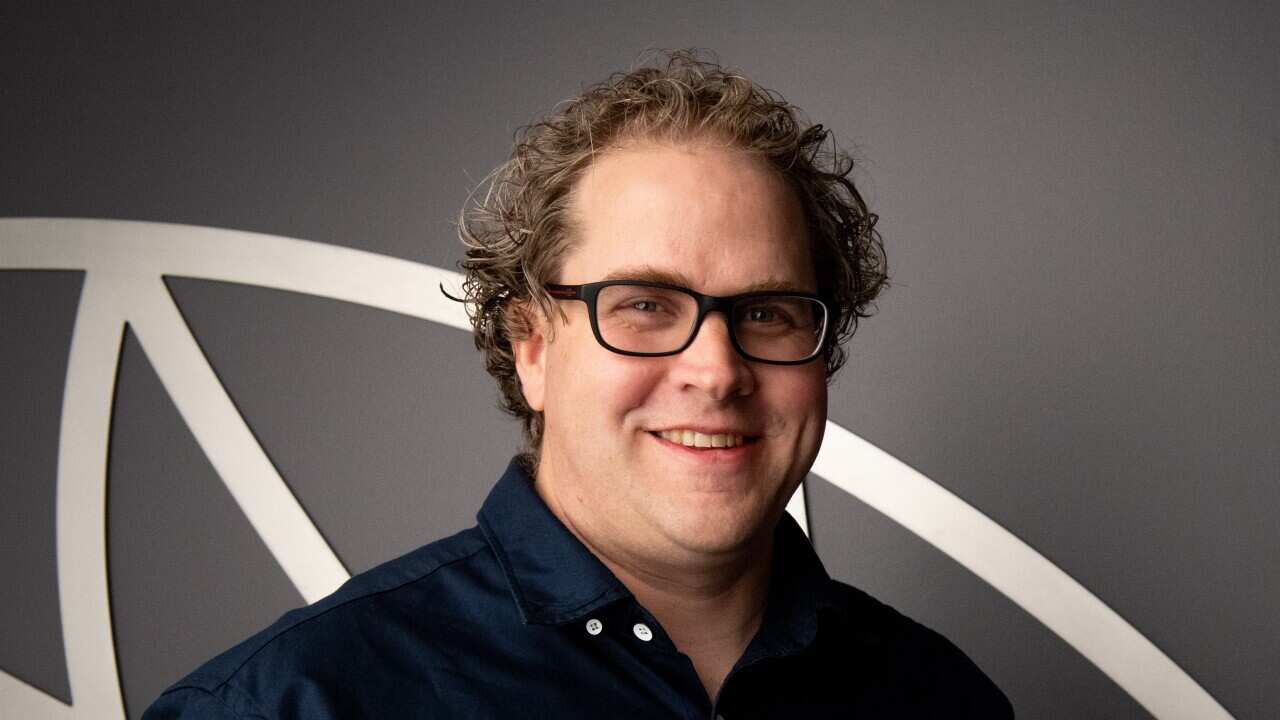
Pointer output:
689, 438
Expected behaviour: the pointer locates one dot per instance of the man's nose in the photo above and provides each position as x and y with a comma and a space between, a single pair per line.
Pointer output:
711, 363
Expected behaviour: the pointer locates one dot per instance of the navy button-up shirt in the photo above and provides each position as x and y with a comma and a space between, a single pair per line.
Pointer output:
515, 618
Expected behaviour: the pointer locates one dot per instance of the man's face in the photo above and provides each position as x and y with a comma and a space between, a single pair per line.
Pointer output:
719, 222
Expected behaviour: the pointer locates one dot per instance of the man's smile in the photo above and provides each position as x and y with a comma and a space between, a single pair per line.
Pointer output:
700, 451
696, 439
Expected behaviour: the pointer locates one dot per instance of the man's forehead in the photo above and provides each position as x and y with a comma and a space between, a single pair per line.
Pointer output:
715, 220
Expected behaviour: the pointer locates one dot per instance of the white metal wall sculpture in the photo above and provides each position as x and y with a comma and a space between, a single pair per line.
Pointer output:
125, 263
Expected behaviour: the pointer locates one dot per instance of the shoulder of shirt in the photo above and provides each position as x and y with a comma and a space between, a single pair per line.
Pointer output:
876, 621
930, 654
400, 574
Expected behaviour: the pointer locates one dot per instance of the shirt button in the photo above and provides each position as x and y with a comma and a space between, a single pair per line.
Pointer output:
594, 626
642, 631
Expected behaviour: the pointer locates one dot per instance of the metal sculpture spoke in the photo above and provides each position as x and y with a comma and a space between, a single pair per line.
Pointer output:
224, 436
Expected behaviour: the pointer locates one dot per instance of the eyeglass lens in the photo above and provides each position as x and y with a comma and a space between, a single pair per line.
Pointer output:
643, 319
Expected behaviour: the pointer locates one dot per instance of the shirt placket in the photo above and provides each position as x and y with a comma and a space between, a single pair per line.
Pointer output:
654, 646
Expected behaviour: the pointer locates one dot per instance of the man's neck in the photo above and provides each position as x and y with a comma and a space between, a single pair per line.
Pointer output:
711, 614
710, 607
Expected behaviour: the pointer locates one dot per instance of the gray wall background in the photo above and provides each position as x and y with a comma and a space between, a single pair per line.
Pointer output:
1081, 206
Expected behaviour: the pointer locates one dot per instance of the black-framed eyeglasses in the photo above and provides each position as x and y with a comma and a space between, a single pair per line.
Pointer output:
650, 319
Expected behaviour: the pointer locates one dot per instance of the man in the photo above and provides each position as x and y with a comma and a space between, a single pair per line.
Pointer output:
660, 280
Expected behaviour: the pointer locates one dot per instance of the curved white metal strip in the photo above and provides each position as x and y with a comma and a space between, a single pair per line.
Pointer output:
1013, 568
235, 454
157, 249
83, 589
80, 529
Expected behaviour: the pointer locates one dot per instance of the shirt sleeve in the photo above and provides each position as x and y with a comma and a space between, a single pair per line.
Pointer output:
962, 689
192, 703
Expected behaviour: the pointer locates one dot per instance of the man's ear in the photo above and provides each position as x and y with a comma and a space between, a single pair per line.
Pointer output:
531, 357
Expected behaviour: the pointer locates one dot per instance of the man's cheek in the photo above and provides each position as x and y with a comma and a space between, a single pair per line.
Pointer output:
623, 385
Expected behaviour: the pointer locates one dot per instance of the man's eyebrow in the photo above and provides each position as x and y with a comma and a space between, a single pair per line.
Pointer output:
649, 273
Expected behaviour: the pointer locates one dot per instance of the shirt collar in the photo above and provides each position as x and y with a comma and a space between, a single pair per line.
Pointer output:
555, 579
799, 591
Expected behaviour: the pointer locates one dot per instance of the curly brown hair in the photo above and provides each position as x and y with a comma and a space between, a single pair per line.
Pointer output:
516, 224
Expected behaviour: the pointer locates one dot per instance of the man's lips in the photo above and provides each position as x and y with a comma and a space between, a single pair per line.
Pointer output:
704, 439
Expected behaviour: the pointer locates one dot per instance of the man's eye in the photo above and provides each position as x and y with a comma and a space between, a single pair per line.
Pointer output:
644, 306
768, 316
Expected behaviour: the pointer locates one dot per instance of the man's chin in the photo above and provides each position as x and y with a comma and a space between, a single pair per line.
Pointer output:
713, 534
